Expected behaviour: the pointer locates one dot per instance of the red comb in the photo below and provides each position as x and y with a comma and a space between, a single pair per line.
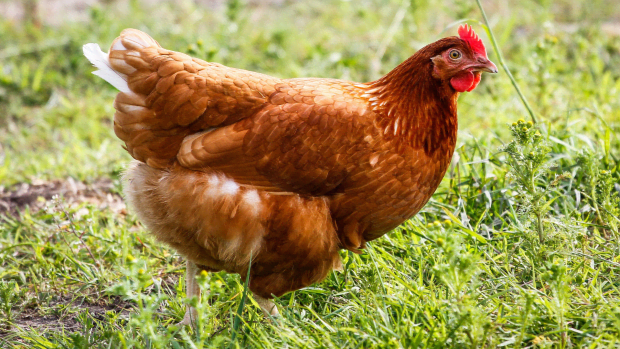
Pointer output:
466, 32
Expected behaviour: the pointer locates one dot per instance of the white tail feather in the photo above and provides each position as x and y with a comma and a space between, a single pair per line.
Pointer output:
100, 60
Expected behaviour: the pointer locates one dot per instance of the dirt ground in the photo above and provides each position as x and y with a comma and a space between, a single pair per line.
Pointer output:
35, 319
32, 319
35, 195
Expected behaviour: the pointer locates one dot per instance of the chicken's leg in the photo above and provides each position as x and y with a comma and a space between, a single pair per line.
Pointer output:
191, 289
268, 307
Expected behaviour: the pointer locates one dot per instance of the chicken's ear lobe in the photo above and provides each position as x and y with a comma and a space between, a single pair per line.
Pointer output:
439, 64
436, 59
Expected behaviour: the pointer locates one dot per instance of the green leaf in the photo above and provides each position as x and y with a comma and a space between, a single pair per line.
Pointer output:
469, 232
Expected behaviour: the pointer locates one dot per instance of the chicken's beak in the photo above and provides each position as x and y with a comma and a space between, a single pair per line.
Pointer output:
485, 65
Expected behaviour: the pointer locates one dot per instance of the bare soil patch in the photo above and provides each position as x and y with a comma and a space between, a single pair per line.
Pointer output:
32, 319
99, 193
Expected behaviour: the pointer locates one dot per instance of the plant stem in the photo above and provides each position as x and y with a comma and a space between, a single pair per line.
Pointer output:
540, 227
503, 64
237, 320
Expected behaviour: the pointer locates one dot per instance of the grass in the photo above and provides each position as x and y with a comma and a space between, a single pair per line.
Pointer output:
517, 248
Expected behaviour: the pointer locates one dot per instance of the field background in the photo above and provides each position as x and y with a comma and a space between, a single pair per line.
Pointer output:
519, 247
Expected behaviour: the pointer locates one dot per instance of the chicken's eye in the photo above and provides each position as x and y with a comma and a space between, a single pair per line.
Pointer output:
455, 54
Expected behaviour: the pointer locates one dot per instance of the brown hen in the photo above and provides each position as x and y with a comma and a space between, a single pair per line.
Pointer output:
232, 166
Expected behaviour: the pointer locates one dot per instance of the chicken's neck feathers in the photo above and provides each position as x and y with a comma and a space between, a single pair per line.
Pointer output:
414, 108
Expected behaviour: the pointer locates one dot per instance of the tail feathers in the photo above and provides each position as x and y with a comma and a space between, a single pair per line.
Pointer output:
133, 39
100, 60
113, 66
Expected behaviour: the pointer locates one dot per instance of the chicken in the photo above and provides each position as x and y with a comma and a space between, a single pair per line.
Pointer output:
234, 168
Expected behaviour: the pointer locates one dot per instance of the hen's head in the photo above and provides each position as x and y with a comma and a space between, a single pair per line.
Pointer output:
461, 60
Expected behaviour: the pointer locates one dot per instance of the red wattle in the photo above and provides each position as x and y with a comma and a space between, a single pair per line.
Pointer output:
463, 82
477, 77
